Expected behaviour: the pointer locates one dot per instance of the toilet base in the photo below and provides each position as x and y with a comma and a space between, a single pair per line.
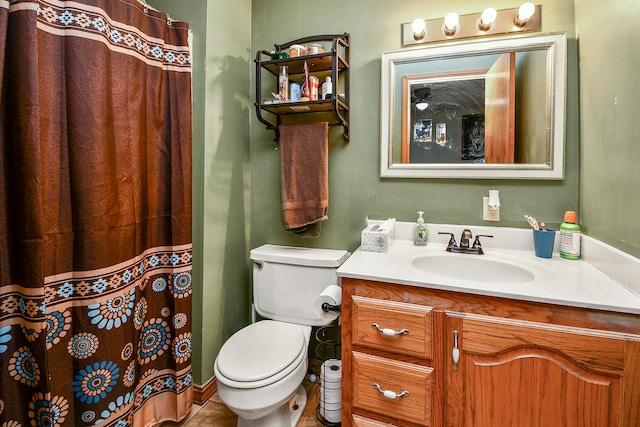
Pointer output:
286, 415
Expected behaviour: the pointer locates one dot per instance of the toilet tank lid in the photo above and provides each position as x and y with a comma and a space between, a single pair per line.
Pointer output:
314, 257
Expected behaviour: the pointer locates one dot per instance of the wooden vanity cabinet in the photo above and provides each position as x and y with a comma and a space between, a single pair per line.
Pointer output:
520, 363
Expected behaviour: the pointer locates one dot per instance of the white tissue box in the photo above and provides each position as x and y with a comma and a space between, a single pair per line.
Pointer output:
376, 238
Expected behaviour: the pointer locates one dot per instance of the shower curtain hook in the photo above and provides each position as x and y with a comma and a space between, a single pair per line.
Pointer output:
169, 21
146, 8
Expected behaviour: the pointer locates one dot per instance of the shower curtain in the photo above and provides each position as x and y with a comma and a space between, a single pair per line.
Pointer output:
95, 214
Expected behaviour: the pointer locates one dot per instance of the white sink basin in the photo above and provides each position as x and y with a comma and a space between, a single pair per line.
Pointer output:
478, 268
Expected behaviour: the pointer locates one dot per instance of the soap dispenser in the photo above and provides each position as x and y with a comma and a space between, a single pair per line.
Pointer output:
420, 231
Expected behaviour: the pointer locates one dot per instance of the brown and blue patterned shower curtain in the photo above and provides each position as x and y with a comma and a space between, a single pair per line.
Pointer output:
95, 214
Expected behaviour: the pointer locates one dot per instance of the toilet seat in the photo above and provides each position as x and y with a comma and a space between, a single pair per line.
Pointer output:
261, 353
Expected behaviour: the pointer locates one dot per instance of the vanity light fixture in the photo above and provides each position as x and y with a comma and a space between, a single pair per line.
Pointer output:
525, 12
450, 25
418, 26
487, 18
486, 23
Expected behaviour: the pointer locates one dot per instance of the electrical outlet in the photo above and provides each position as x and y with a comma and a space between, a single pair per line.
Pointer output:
489, 214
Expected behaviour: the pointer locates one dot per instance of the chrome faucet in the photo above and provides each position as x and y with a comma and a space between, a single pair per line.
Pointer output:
465, 238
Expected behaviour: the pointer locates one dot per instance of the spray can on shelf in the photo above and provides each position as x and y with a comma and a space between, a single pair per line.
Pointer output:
570, 237
295, 92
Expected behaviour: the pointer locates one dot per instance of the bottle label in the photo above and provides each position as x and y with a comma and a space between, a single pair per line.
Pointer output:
570, 243
295, 92
313, 88
283, 88
326, 90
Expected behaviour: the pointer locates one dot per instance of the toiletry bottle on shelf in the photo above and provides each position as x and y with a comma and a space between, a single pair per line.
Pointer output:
570, 237
327, 88
420, 232
283, 84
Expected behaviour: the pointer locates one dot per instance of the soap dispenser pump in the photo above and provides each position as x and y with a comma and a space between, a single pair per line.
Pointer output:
420, 231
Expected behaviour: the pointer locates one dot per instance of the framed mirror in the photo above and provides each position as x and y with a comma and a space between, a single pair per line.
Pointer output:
487, 108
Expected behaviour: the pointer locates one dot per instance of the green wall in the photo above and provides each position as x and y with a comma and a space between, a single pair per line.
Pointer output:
601, 105
221, 111
356, 189
609, 46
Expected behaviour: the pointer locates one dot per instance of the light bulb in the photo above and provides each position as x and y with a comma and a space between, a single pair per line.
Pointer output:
422, 105
418, 27
525, 12
487, 18
451, 23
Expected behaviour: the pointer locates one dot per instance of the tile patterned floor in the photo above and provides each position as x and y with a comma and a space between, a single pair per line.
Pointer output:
214, 414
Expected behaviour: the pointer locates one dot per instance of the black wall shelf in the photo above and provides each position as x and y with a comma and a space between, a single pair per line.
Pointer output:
333, 63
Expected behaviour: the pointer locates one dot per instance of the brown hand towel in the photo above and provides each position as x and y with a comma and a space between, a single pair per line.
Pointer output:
304, 165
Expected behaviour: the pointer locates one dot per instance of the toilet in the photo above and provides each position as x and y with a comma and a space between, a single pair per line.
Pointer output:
260, 369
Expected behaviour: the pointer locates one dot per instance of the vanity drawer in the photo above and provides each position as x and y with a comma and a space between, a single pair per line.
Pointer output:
359, 421
392, 388
403, 328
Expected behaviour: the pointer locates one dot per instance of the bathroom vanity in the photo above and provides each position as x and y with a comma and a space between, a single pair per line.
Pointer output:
560, 348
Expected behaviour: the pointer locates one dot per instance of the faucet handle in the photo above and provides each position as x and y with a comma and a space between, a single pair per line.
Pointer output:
476, 243
452, 240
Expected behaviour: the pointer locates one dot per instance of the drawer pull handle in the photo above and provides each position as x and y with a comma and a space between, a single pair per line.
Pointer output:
389, 332
390, 394
455, 354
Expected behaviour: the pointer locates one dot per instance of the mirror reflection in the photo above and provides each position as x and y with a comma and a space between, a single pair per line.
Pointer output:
491, 109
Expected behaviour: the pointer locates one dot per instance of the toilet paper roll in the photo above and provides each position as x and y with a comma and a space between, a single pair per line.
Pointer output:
331, 390
333, 416
331, 295
331, 373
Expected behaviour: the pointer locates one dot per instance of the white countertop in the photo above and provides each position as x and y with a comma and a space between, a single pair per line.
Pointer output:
557, 280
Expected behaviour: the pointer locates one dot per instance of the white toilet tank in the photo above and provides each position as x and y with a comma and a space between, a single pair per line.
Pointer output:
287, 280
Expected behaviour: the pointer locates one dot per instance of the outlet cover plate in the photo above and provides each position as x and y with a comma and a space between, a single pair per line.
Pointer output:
489, 214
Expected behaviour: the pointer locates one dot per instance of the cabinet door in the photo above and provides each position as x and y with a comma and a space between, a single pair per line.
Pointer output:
516, 373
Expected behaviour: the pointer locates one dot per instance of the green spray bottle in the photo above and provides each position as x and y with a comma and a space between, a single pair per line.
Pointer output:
570, 237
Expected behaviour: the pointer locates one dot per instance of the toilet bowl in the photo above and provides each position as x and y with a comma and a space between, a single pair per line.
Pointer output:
260, 369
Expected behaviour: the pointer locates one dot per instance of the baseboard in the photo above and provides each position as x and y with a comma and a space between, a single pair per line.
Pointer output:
204, 392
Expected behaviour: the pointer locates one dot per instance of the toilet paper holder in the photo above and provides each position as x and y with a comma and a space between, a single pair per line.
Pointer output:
326, 307
327, 303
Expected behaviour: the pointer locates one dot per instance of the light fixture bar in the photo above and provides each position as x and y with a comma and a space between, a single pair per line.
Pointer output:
468, 26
